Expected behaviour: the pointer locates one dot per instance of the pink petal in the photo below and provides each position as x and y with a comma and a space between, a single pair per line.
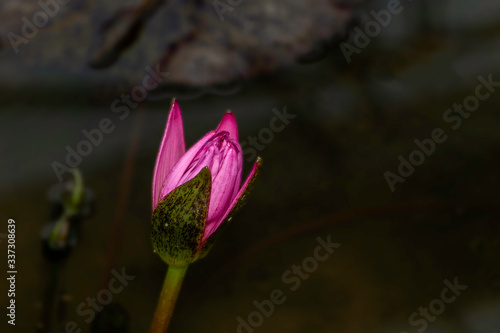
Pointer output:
223, 183
210, 229
237, 184
205, 158
228, 124
171, 149
176, 173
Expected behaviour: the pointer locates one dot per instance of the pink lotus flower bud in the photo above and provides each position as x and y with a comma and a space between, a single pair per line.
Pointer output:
195, 192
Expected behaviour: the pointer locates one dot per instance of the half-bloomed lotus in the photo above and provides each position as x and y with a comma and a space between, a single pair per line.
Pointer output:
195, 192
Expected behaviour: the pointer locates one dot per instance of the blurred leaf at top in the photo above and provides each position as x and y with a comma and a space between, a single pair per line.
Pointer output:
214, 41
197, 41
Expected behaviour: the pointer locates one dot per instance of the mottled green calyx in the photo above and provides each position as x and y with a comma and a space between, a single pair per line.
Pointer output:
178, 222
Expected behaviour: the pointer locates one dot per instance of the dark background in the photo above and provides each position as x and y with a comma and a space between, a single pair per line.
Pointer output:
323, 174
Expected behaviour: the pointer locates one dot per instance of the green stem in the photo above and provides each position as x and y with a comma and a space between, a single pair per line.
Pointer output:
168, 298
78, 191
56, 237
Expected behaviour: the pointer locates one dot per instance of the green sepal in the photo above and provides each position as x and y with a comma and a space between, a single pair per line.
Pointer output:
207, 245
178, 222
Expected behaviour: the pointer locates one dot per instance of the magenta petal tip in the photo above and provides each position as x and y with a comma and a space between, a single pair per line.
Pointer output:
228, 124
171, 149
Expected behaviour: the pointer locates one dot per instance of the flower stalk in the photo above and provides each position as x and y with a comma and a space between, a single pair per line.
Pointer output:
168, 298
